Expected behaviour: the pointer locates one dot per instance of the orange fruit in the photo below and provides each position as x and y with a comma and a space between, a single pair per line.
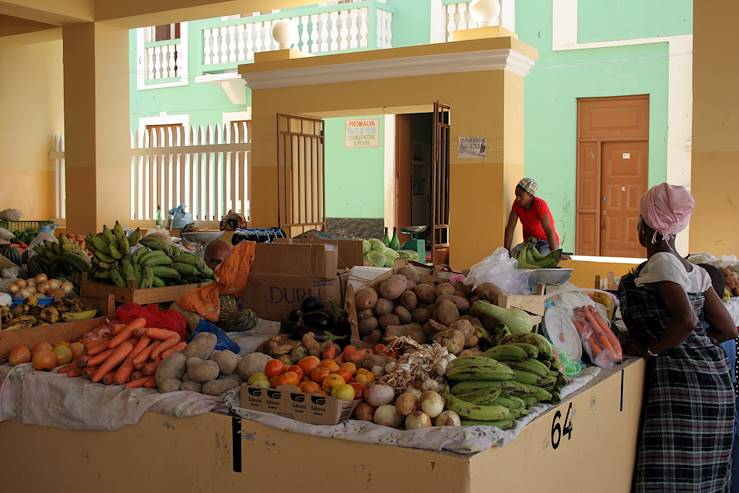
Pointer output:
331, 381
308, 364
319, 374
350, 366
330, 364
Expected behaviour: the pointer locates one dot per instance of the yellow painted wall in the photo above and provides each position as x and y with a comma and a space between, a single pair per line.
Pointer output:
482, 104
715, 169
31, 104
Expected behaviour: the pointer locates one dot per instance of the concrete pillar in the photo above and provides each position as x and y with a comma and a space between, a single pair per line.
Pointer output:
96, 112
715, 172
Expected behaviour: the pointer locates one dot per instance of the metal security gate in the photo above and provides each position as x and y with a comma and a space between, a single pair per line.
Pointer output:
440, 185
301, 199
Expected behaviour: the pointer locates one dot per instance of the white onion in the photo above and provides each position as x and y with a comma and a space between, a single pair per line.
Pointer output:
31, 289
24, 293
364, 412
13, 289
55, 284
414, 391
448, 418
387, 415
390, 367
67, 287
406, 403
43, 287
30, 283
432, 403
430, 384
417, 420
379, 394
40, 278
21, 283
441, 366
378, 371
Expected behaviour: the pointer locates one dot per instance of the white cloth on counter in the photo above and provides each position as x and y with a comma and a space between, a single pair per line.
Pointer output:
51, 399
462, 440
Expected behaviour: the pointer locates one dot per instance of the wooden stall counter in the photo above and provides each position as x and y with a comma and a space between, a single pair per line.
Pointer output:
587, 443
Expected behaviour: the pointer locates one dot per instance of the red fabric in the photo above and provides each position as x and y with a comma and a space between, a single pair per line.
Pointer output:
531, 219
155, 317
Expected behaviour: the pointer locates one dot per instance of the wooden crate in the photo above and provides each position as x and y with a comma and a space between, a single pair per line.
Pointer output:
54, 333
430, 275
131, 294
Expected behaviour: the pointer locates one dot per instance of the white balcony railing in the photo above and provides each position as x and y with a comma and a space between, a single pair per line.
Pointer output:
161, 63
320, 30
457, 16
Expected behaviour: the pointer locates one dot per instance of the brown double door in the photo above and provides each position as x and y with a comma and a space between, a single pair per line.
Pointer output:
612, 174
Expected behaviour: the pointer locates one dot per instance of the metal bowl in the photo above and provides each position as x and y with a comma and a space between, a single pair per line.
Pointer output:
202, 237
550, 277
412, 230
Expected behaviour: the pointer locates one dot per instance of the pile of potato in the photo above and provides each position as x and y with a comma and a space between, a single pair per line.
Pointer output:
402, 305
200, 368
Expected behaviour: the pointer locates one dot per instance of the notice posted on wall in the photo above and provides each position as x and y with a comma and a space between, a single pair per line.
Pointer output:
472, 147
362, 133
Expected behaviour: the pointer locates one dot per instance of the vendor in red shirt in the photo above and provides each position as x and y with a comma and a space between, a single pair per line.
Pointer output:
535, 216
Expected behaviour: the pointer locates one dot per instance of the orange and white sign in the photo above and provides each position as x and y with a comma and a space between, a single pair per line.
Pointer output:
362, 133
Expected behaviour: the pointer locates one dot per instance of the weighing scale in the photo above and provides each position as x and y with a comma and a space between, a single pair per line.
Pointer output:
416, 243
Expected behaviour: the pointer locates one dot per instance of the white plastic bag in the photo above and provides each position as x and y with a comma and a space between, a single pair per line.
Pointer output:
46, 234
500, 269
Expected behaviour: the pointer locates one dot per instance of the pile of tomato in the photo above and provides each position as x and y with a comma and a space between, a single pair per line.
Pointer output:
321, 376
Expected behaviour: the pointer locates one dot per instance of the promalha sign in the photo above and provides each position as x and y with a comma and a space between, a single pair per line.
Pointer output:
362, 133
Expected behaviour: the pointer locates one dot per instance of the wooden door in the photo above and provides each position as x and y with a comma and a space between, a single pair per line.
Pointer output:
402, 173
440, 185
612, 173
301, 202
623, 181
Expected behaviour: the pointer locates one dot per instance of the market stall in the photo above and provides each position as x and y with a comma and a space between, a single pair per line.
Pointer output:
456, 378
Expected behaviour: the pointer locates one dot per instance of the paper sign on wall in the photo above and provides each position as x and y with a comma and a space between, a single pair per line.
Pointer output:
472, 147
362, 133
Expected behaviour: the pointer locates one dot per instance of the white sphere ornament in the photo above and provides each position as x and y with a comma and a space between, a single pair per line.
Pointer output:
485, 12
284, 33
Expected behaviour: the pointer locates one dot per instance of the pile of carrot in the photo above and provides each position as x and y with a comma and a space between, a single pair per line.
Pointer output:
130, 357
598, 339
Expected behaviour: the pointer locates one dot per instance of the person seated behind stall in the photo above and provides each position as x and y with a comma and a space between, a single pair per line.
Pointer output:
535, 216
687, 421
217, 252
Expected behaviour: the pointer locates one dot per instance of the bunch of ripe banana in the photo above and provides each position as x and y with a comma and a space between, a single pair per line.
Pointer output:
58, 259
153, 264
500, 386
528, 257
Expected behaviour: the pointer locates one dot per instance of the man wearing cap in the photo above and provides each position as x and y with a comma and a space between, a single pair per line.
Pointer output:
535, 216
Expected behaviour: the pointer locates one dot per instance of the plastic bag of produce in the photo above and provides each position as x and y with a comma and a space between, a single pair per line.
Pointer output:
598, 340
500, 269
5, 234
10, 215
224, 342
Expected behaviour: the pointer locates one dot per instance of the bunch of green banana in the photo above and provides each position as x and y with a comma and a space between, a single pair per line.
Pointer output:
498, 387
152, 264
60, 259
529, 257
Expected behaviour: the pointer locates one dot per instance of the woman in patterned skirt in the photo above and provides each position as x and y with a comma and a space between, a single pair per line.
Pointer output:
687, 422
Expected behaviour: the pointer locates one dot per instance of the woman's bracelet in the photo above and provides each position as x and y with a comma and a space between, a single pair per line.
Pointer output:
650, 353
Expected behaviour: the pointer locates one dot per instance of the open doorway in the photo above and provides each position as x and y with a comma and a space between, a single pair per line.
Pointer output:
323, 174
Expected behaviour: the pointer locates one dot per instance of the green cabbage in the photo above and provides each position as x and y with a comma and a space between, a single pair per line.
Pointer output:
390, 256
366, 247
377, 245
376, 258
409, 255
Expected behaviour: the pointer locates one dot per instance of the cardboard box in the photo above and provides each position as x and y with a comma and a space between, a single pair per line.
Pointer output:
350, 251
283, 275
309, 408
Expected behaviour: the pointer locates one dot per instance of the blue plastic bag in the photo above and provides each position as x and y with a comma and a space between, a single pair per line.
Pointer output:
224, 342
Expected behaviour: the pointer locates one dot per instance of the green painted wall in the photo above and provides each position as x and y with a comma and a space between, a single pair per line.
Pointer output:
608, 20
354, 176
205, 103
556, 82
411, 22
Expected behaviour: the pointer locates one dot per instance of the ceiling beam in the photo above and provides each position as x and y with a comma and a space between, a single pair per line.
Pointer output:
54, 12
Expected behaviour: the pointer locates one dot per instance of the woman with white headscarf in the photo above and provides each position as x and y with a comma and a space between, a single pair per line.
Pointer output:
687, 422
